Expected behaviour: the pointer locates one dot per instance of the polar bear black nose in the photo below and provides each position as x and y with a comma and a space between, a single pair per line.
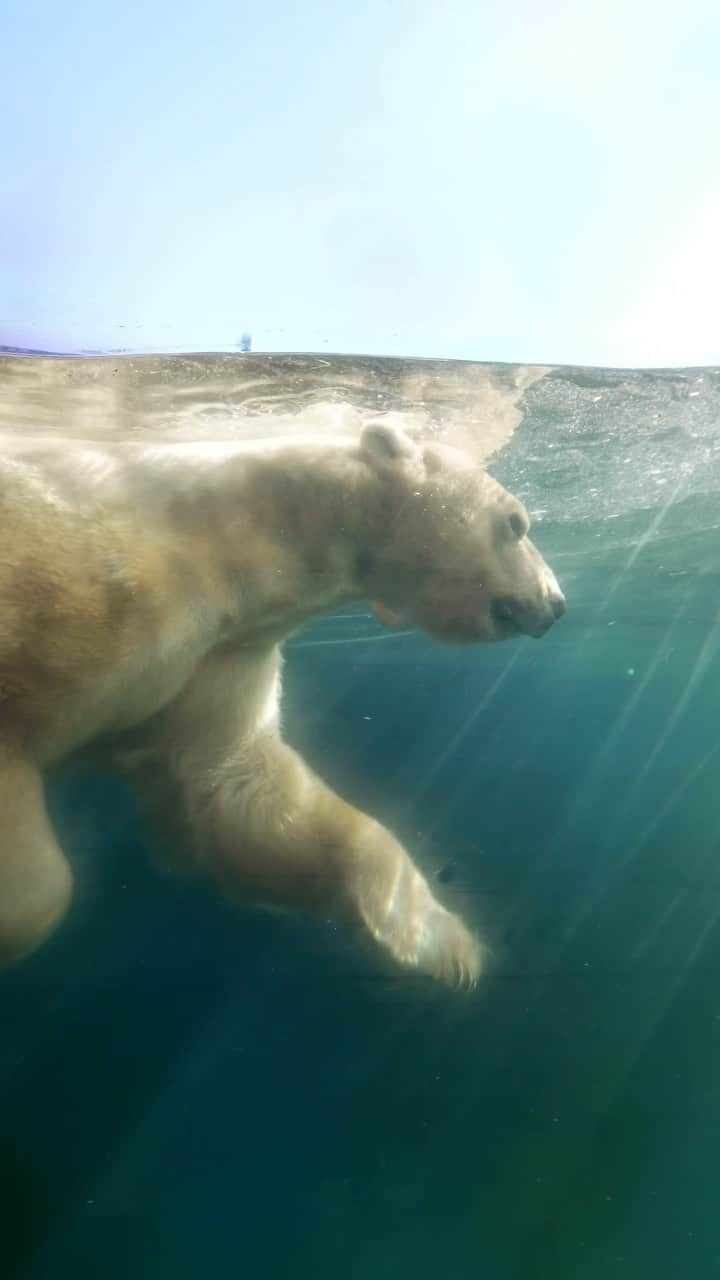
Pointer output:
557, 604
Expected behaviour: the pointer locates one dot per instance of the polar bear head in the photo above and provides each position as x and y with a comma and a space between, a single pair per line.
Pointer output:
449, 547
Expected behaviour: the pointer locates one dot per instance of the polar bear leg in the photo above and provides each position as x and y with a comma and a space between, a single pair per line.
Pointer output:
268, 830
35, 878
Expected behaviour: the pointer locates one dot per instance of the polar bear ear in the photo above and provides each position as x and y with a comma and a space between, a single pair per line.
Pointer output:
386, 445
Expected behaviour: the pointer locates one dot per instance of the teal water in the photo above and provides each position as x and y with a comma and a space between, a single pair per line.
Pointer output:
186, 1092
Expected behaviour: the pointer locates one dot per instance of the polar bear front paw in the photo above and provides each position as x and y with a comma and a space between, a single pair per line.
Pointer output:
448, 951
421, 934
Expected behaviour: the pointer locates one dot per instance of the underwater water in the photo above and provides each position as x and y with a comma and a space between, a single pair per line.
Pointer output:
188, 1091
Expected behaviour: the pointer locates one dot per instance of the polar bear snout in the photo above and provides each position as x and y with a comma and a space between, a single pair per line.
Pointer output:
512, 614
553, 609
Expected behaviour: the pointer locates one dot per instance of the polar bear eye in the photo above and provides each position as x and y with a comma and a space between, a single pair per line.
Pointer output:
518, 525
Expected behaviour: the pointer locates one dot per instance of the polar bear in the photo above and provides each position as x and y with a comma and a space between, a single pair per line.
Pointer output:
145, 592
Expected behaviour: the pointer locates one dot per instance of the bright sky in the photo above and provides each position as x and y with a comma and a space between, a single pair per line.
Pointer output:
522, 180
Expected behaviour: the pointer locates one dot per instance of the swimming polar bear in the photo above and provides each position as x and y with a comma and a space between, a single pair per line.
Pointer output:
145, 592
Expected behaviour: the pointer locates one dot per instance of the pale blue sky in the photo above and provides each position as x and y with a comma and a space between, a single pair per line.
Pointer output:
502, 181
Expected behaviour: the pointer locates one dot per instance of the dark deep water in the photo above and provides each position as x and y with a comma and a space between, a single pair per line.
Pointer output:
185, 1092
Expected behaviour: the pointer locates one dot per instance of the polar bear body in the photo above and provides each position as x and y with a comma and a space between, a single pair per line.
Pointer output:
145, 592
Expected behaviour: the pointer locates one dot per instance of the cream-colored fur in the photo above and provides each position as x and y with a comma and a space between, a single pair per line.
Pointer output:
144, 595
